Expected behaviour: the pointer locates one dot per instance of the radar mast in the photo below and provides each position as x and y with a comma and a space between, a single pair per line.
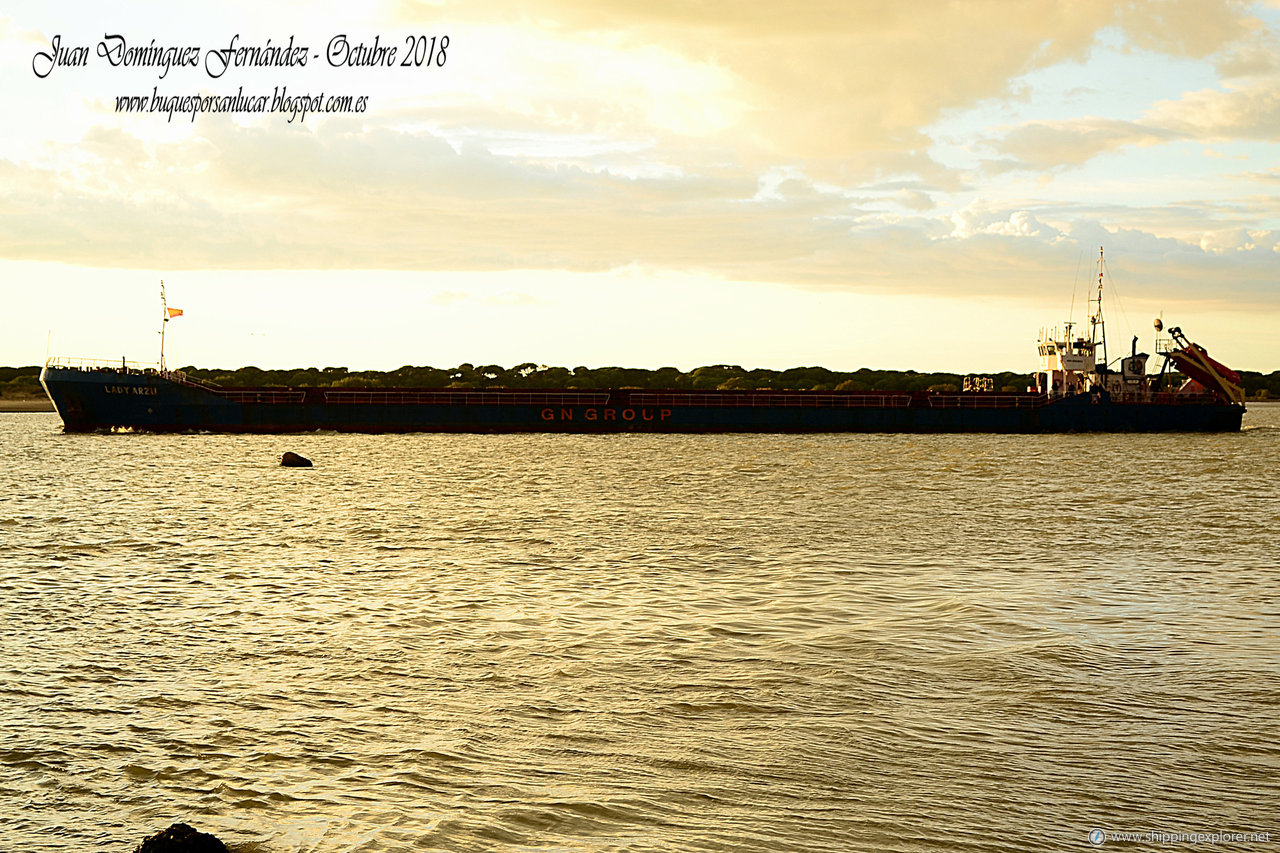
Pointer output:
1096, 320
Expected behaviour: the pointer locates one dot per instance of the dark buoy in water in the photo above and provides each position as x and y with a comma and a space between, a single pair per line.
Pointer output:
181, 838
293, 460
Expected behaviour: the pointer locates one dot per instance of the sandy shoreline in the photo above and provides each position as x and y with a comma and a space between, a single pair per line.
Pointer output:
31, 405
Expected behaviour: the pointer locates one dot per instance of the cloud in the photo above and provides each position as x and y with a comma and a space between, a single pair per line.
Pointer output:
1244, 106
1254, 55
1238, 240
849, 88
1018, 223
915, 200
1048, 145
1242, 112
1185, 27
346, 198
854, 84
338, 197
577, 138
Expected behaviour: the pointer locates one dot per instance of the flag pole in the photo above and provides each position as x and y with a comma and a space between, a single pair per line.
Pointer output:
164, 311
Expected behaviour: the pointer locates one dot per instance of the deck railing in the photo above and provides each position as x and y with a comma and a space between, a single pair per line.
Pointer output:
987, 401
770, 399
441, 397
124, 367
261, 395
101, 365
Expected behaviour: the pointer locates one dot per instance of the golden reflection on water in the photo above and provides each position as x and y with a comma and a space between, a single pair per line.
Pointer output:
593, 643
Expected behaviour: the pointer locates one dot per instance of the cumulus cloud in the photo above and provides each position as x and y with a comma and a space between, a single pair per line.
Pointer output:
1018, 223
1238, 240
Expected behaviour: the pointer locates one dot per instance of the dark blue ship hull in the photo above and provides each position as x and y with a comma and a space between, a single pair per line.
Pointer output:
103, 399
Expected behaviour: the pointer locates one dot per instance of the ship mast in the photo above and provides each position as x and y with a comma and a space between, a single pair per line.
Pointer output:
164, 313
1096, 319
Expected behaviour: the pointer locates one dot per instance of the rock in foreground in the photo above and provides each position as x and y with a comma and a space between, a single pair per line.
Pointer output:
293, 460
181, 838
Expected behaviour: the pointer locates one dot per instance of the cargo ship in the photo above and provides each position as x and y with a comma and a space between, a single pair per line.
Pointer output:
1076, 389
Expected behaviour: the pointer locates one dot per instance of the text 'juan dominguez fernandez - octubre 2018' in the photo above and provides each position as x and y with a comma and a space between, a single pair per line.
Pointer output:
419, 51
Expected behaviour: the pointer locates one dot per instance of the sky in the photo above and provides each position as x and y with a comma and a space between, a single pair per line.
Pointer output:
891, 185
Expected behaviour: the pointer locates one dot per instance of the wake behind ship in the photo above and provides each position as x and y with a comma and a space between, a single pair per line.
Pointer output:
1076, 389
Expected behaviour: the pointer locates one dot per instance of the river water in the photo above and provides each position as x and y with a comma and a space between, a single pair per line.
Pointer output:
639, 642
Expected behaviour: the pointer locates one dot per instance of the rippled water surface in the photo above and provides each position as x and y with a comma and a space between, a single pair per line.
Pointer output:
606, 643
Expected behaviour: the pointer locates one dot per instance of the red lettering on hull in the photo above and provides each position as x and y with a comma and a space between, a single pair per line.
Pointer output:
595, 415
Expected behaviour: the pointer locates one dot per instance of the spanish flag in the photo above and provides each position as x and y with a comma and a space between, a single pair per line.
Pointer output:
174, 312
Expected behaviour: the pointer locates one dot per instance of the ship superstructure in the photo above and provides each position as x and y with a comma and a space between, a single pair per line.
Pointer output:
1072, 364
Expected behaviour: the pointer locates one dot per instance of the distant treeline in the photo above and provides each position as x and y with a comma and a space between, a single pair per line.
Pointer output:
725, 377
20, 382
23, 381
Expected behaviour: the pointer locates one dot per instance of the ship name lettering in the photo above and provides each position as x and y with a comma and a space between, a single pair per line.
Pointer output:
139, 390
607, 414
